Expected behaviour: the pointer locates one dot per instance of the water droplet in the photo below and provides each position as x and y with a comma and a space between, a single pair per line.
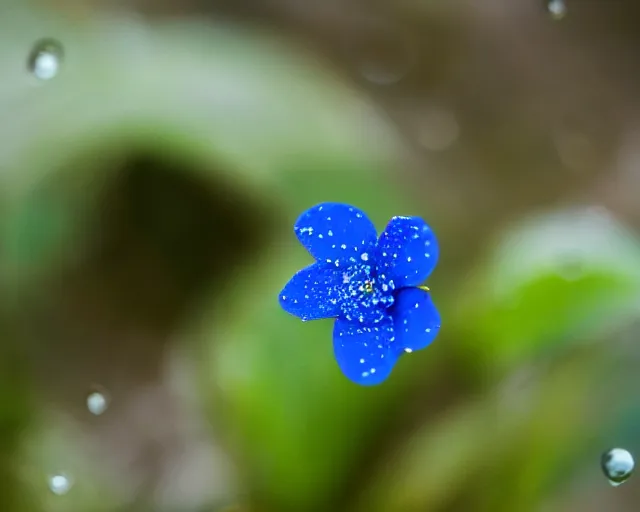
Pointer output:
557, 9
45, 59
617, 465
97, 402
60, 484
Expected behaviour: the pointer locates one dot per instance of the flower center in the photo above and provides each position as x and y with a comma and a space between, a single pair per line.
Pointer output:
366, 295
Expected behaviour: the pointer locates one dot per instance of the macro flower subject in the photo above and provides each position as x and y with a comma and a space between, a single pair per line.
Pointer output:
371, 285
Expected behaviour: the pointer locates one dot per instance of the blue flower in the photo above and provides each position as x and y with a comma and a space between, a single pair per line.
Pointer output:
369, 284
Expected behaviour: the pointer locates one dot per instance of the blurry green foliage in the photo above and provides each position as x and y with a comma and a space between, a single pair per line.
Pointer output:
235, 107
562, 278
240, 109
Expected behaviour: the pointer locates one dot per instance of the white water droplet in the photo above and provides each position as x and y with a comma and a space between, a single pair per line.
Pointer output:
97, 403
60, 484
557, 9
45, 59
617, 465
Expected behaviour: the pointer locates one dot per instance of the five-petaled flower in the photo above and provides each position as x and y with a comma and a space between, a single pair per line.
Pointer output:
369, 284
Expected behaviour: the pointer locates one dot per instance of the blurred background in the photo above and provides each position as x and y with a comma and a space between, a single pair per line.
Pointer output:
154, 156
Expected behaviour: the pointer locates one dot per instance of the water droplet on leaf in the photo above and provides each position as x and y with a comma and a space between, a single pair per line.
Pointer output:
97, 403
617, 465
59, 484
557, 9
45, 59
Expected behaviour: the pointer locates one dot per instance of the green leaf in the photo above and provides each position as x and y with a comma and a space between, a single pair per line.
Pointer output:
273, 381
500, 451
555, 279
233, 107
229, 104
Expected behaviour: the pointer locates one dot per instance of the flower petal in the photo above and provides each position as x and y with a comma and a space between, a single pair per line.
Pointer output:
334, 231
407, 251
312, 293
416, 320
364, 353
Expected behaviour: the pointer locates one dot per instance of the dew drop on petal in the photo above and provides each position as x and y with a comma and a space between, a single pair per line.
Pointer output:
557, 9
60, 484
97, 403
45, 59
617, 465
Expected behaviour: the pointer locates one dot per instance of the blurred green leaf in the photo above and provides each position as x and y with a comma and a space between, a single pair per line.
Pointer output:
60, 473
499, 452
302, 425
555, 279
15, 414
551, 284
218, 98
233, 106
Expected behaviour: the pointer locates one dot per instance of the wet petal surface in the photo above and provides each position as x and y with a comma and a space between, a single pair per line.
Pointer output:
313, 293
416, 320
364, 353
407, 251
335, 231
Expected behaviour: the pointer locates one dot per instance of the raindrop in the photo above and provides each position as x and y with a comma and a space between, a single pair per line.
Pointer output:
617, 465
97, 403
557, 9
59, 484
45, 59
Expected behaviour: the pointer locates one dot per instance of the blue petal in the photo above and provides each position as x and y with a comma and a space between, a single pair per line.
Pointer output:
416, 320
364, 353
312, 293
334, 231
407, 251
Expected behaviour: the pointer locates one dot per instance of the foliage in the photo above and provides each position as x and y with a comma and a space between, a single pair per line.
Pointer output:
205, 142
